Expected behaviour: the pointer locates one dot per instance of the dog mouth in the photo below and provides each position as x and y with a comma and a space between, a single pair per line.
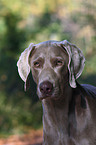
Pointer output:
51, 95
45, 95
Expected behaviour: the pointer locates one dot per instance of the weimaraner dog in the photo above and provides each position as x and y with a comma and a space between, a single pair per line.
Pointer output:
68, 107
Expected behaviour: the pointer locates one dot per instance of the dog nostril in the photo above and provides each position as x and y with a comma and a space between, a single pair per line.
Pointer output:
46, 87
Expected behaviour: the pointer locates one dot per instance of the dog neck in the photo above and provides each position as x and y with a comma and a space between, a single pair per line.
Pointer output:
55, 118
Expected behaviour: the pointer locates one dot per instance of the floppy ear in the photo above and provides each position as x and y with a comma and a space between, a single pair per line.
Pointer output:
76, 62
23, 64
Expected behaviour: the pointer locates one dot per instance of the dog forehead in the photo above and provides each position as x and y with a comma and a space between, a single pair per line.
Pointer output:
47, 43
49, 48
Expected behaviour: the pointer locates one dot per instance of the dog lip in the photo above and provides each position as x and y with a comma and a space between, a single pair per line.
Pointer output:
44, 96
50, 97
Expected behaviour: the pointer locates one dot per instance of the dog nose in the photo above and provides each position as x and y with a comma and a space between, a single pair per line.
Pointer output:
46, 87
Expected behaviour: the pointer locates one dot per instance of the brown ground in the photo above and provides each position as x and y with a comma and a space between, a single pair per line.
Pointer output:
32, 138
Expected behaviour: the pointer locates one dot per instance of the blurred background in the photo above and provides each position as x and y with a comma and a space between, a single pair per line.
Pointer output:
23, 22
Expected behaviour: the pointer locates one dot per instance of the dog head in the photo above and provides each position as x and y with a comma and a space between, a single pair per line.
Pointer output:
54, 65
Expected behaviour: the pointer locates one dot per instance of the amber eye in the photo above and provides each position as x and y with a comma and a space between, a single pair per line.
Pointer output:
36, 64
58, 62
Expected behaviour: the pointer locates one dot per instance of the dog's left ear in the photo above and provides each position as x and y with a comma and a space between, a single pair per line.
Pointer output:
76, 62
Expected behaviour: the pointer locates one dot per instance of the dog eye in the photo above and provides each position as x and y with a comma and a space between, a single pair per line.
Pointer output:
36, 64
58, 62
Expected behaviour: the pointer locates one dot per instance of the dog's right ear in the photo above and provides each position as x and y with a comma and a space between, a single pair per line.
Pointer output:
23, 64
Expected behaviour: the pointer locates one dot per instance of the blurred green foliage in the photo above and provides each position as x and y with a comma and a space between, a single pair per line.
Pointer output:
22, 22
